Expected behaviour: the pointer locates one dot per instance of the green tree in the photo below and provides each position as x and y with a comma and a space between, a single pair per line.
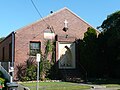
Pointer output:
88, 52
109, 45
112, 21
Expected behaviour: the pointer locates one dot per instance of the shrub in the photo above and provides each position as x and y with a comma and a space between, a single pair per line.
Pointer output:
27, 71
45, 66
2, 81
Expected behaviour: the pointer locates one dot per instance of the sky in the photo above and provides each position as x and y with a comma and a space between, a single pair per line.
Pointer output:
15, 14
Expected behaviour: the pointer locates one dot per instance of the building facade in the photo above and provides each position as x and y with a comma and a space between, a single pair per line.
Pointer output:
63, 26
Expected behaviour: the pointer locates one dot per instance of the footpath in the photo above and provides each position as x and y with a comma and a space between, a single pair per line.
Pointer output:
100, 87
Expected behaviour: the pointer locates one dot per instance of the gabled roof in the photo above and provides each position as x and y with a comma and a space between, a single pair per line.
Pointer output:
65, 8
56, 20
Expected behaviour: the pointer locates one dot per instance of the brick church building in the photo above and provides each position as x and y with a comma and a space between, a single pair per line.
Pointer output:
63, 26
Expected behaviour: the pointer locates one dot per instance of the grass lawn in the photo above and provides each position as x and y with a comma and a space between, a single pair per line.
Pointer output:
56, 86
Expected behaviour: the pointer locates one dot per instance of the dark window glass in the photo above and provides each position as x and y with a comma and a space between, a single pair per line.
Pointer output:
3, 55
10, 51
34, 48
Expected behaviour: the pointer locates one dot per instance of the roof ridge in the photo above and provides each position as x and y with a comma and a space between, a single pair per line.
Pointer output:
82, 19
43, 18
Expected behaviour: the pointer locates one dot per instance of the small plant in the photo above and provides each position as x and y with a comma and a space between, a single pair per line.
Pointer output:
21, 71
2, 80
27, 71
45, 66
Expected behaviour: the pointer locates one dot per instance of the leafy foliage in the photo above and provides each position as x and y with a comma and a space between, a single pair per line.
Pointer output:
31, 69
109, 44
2, 81
88, 49
100, 56
45, 66
112, 21
27, 71
46, 63
20, 72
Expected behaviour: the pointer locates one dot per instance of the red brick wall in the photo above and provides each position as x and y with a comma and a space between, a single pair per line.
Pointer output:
34, 32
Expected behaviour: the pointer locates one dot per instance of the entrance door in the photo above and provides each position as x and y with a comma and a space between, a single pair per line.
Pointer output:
66, 55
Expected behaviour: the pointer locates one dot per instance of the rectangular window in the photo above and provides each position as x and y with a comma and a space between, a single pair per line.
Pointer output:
10, 51
3, 51
34, 48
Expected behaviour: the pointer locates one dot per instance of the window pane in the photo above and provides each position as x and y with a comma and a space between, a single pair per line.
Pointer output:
34, 48
36, 45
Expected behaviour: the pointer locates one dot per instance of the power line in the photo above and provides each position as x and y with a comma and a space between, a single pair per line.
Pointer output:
51, 28
39, 13
28, 42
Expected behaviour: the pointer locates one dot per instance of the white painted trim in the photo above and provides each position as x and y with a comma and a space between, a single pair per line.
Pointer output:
73, 55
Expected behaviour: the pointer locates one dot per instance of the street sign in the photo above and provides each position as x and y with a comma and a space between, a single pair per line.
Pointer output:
38, 57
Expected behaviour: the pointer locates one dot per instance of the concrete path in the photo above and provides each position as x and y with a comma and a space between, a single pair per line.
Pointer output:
99, 87
21, 87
